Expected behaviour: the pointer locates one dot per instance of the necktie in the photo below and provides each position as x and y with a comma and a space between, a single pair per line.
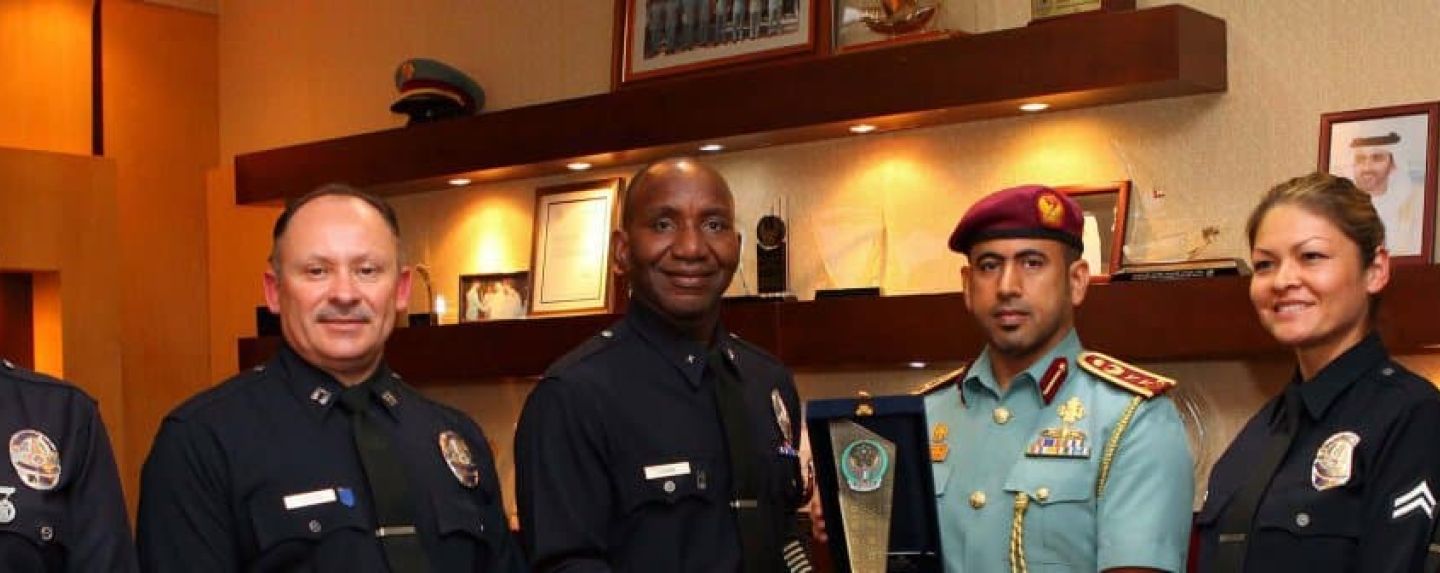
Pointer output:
394, 506
757, 530
1236, 521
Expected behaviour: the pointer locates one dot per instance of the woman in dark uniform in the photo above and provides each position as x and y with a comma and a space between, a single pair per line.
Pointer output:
1339, 472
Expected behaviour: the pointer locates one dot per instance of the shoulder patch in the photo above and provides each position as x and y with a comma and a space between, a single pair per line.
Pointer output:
600, 341
1136, 380
941, 381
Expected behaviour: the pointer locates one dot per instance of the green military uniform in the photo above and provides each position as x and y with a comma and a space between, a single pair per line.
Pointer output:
1080, 465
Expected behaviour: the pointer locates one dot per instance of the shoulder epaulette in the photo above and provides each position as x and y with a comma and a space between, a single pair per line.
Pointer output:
1136, 380
590, 346
941, 381
751, 346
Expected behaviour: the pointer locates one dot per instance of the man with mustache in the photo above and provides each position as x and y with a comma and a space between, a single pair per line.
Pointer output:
1043, 453
665, 443
323, 459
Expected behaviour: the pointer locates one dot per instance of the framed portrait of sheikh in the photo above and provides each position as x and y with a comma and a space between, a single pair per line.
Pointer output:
1106, 209
657, 38
571, 260
1390, 153
495, 296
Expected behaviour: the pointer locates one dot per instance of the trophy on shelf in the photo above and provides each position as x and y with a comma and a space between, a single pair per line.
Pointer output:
772, 254
862, 24
431, 318
851, 241
873, 475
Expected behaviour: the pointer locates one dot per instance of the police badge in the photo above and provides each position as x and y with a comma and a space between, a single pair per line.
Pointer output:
1333, 461
457, 456
35, 459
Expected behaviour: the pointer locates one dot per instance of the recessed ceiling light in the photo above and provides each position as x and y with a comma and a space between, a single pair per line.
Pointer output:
578, 166
917, 365
459, 181
862, 128
1034, 106
712, 147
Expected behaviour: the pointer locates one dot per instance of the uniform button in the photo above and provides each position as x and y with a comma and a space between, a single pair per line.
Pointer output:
1042, 494
669, 486
314, 526
690, 359
977, 499
46, 533
607, 334
1388, 371
1302, 519
1001, 415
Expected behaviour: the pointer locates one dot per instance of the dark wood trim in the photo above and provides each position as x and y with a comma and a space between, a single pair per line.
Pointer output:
1203, 319
1111, 58
17, 318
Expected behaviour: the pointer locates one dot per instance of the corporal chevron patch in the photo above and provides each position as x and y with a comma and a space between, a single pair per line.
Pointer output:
1418, 498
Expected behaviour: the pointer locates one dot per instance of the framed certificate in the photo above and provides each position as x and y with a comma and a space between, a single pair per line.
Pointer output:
571, 261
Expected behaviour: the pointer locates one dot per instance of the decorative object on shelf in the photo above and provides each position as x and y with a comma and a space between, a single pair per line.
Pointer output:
1390, 153
851, 240
1050, 9
431, 318
772, 258
1193, 269
432, 91
572, 246
667, 37
1107, 209
494, 296
863, 24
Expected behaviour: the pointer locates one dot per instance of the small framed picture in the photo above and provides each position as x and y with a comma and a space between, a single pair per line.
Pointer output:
1390, 153
495, 296
571, 260
1107, 209
667, 37
866, 24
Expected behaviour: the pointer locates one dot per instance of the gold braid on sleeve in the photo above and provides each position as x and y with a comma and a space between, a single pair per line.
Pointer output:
1017, 534
1114, 444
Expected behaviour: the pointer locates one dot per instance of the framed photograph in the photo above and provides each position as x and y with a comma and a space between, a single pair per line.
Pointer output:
495, 296
659, 38
571, 261
867, 24
1390, 153
1107, 209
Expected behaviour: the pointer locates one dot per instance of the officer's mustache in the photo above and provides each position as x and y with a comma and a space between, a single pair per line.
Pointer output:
355, 314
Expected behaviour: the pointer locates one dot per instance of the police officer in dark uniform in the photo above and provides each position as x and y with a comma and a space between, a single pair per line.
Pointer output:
665, 443
323, 459
61, 508
1339, 472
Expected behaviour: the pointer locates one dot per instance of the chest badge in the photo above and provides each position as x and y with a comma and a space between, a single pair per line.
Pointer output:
7, 507
939, 445
1065, 441
36, 459
864, 464
1334, 461
457, 456
782, 417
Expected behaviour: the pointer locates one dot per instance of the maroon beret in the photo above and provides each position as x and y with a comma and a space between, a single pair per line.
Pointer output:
1027, 211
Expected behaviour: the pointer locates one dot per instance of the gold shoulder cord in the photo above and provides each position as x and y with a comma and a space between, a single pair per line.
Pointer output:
1114, 444
1017, 534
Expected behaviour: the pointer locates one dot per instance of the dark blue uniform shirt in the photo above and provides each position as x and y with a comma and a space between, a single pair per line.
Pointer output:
1355, 491
62, 507
261, 473
621, 459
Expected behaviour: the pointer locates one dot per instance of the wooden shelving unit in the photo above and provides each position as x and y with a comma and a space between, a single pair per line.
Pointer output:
1164, 321
1080, 62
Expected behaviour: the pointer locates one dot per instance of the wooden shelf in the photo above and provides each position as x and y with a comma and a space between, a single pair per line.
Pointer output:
1167, 321
1096, 60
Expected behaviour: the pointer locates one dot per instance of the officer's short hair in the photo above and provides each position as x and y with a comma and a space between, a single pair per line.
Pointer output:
331, 190
637, 182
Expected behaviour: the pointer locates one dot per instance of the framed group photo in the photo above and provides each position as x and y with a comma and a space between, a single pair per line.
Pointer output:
657, 38
495, 296
1390, 153
1106, 208
571, 261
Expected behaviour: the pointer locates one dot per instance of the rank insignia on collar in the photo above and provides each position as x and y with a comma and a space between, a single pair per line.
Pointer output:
1053, 379
1065, 441
457, 456
939, 449
1334, 461
35, 459
782, 417
321, 396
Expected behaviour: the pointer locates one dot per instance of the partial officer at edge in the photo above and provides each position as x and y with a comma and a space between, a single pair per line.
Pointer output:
61, 506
